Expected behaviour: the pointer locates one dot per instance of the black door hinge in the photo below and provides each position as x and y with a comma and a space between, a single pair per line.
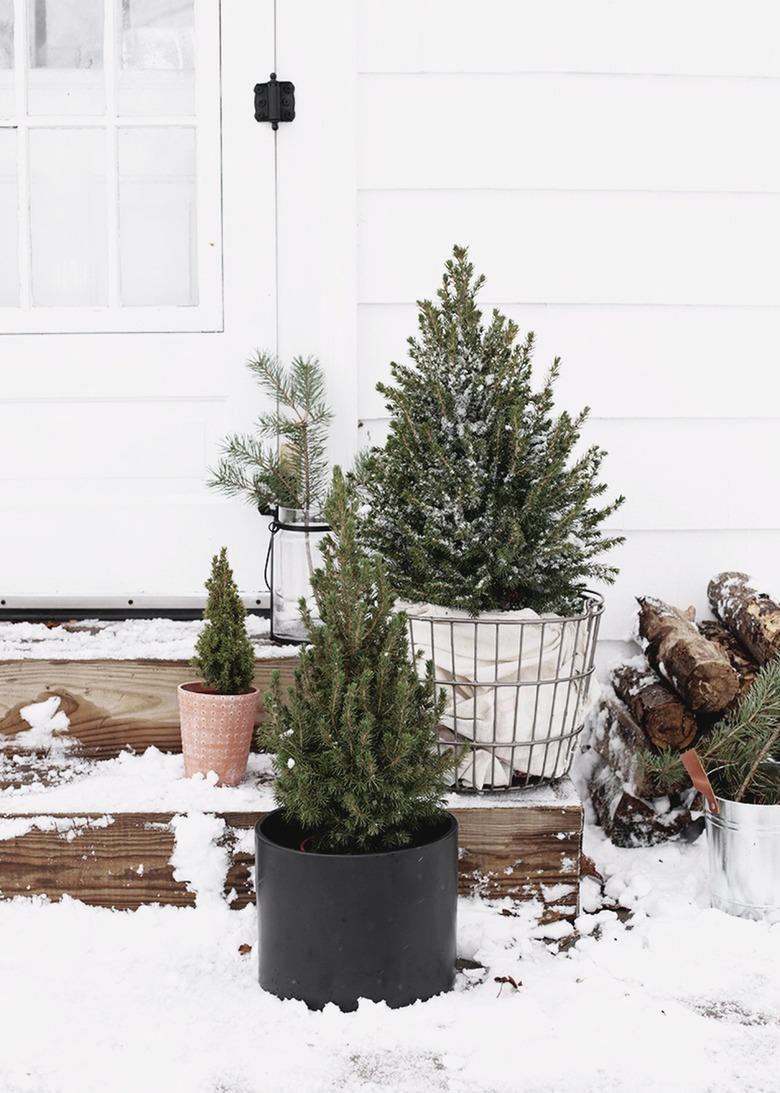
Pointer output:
274, 101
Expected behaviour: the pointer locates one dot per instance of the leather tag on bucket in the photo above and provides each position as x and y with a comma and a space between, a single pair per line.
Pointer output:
698, 775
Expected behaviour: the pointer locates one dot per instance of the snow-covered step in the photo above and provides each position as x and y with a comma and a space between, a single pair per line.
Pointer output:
116, 682
119, 833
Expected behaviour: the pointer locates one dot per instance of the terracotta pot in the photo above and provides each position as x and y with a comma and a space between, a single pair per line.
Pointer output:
216, 731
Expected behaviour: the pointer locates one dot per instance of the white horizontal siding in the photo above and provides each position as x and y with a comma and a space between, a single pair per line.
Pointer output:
576, 247
677, 565
613, 170
696, 37
568, 132
630, 361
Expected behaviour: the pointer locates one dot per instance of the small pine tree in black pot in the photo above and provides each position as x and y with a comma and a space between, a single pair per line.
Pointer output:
357, 869
218, 712
487, 512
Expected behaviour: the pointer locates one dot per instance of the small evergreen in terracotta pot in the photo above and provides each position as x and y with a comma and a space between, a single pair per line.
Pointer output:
218, 711
357, 871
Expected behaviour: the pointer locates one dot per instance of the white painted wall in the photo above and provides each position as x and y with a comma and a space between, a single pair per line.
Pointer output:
613, 168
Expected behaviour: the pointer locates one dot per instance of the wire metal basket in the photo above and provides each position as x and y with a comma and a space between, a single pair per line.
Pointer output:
516, 690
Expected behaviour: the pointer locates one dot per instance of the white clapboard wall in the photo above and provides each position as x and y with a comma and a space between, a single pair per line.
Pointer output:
614, 170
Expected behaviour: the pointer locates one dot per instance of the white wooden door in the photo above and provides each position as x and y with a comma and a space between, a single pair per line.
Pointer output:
137, 258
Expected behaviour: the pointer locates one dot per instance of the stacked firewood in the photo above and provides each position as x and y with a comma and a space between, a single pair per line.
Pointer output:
688, 676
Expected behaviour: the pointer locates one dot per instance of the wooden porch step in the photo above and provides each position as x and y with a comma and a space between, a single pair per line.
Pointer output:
525, 845
123, 860
112, 705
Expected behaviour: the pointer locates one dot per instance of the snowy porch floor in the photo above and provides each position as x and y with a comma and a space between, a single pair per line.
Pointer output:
659, 993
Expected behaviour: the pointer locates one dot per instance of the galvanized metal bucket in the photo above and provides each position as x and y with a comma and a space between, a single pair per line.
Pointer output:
744, 854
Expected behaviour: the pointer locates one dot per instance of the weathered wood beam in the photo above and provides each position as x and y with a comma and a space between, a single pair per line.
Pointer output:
112, 704
524, 852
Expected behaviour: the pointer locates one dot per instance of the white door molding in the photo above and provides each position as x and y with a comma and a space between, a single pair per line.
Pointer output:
317, 200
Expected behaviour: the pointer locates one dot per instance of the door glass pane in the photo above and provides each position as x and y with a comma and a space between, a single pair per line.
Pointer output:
158, 216
6, 58
157, 71
66, 57
68, 218
9, 235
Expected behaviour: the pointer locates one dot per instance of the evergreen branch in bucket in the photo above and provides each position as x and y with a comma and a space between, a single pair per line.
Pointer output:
742, 753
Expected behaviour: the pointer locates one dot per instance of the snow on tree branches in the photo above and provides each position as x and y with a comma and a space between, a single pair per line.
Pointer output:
481, 499
356, 760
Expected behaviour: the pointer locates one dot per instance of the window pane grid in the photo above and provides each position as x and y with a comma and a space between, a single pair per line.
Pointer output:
71, 215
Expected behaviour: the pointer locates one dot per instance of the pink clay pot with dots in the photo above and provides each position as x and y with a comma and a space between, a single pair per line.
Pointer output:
216, 731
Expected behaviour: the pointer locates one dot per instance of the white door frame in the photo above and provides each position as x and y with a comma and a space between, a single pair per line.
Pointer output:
317, 201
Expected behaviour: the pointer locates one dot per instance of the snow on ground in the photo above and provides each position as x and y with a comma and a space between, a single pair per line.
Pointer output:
150, 782
154, 781
127, 639
659, 993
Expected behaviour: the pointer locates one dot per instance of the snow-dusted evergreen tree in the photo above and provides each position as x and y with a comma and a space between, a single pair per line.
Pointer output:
479, 499
355, 738
224, 655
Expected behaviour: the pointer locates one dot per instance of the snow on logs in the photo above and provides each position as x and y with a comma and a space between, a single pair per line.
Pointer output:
666, 721
745, 667
697, 669
753, 617
695, 673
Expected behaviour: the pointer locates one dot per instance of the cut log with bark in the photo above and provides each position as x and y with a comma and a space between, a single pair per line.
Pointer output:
752, 616
741, 661
697, 669
629, 820
617, 739
664, 719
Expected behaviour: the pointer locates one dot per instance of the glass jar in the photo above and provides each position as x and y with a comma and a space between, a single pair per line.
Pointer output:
294, 553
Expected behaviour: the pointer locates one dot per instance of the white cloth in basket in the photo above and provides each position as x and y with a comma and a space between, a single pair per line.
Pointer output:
491, 650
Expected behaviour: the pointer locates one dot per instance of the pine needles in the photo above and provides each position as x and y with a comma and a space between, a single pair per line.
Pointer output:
224, 655
482, 497
355, 738
742, 753
284, 462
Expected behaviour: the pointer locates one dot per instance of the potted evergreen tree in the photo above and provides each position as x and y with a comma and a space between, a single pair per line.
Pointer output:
219, 710
737, 768
357, 868
282, 469
486, 512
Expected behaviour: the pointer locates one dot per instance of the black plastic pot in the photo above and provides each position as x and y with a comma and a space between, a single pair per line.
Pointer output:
339, 927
